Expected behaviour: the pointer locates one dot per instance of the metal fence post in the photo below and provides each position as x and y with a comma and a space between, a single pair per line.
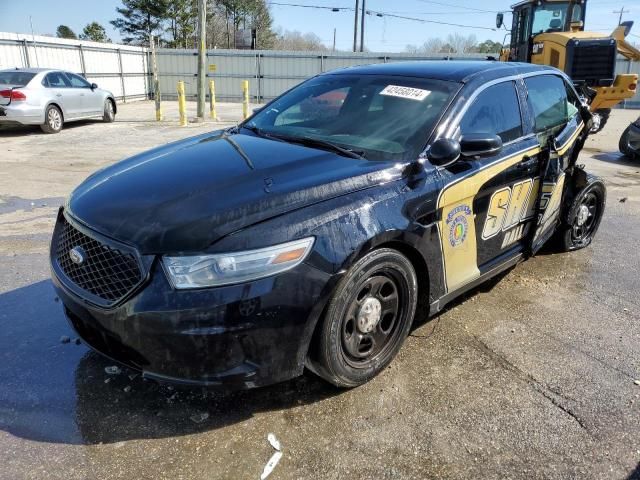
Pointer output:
258, 78
82, 64
26, 53
124, 95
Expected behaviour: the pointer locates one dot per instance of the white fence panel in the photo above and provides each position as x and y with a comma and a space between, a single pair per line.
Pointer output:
122, 69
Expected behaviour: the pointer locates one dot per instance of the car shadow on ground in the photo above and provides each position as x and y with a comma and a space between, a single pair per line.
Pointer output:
60, 392
617, 159
57, 390
10, 131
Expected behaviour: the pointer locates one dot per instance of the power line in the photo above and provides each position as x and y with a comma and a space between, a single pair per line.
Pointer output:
333, 9
384, 14
422, 20
463, 7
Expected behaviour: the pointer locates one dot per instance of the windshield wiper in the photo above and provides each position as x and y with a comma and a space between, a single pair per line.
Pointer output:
319, 143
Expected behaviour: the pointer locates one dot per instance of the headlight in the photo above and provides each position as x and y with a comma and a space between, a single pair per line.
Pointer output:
197, 271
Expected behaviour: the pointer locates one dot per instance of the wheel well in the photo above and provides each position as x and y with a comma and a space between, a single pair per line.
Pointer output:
422, 274
54, 104
115, 106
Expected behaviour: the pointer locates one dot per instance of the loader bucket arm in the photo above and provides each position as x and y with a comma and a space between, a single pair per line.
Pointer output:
624, 48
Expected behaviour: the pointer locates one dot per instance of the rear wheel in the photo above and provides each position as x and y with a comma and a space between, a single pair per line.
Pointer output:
109, 114
601, 118
583, 218
368, 319
53, 120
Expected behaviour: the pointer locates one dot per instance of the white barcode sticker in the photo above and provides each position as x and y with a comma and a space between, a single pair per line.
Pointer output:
405, 92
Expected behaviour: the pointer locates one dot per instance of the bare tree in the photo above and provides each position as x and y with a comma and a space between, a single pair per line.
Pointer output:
462, 44
294, 40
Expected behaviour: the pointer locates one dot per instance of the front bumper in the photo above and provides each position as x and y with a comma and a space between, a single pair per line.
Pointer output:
238, 336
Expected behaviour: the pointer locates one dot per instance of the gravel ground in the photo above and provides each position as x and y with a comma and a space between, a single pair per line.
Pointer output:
534, 375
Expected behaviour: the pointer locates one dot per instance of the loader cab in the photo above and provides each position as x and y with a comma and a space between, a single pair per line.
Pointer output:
533, 17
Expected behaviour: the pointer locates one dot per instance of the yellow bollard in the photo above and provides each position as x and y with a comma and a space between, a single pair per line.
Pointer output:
245, 96
212, 100
182, 107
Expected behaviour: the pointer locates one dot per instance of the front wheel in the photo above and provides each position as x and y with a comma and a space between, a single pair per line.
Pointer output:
109, 114
367, 320
583, 217
52, 120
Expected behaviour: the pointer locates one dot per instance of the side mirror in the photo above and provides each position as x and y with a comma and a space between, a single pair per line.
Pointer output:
94, 86
443, 152
499, 20
480, 145
257, 109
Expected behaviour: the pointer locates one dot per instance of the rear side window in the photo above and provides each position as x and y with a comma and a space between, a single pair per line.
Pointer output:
495, 111
548, 101
56, 80
16, 78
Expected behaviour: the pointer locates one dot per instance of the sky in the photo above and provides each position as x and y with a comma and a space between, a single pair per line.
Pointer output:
386, 34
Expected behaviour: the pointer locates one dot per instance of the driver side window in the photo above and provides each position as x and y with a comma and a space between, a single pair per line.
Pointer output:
551, 107
496, 111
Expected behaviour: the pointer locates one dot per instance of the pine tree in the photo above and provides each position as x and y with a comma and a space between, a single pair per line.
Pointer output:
95, 33
65, 32
140, 18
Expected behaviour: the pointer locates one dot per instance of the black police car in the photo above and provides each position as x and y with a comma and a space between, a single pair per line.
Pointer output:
312, 233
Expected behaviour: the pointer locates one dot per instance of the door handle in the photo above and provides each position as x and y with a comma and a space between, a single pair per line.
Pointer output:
58, 94
527, 163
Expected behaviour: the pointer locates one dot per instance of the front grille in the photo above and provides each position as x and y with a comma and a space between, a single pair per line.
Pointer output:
106, 271
593, 62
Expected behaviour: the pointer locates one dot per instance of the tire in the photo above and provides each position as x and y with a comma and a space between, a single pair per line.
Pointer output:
367, 320
109, 114
580, 225
623, 144
53, 120
604, 114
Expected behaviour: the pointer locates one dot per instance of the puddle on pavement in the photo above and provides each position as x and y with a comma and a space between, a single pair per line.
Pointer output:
58, 392
16, 204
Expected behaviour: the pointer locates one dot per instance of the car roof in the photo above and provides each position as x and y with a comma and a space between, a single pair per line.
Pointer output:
460, 71
29, 70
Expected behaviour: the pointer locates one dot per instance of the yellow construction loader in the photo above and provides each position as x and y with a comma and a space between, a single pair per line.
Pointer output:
551, 32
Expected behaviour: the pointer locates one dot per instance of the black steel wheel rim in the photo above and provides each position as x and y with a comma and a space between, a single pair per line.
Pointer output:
361, 347
580, 231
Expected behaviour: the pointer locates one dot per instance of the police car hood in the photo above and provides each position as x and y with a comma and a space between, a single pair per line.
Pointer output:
184, 196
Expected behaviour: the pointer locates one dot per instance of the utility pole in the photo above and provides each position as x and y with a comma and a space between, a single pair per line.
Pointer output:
355, 27
621, 11
364, 13
202, 57
334, 39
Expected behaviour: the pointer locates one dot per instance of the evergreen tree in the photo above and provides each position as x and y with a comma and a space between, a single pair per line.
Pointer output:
95, 33
64, 31
140, 18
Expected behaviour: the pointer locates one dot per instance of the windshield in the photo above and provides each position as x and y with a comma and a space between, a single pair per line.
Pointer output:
380, 117
15, 78
552, 17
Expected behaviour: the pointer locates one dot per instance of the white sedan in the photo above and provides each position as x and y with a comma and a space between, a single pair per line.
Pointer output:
49, 98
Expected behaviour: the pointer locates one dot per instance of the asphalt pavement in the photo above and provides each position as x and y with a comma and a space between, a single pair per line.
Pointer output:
533, 375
